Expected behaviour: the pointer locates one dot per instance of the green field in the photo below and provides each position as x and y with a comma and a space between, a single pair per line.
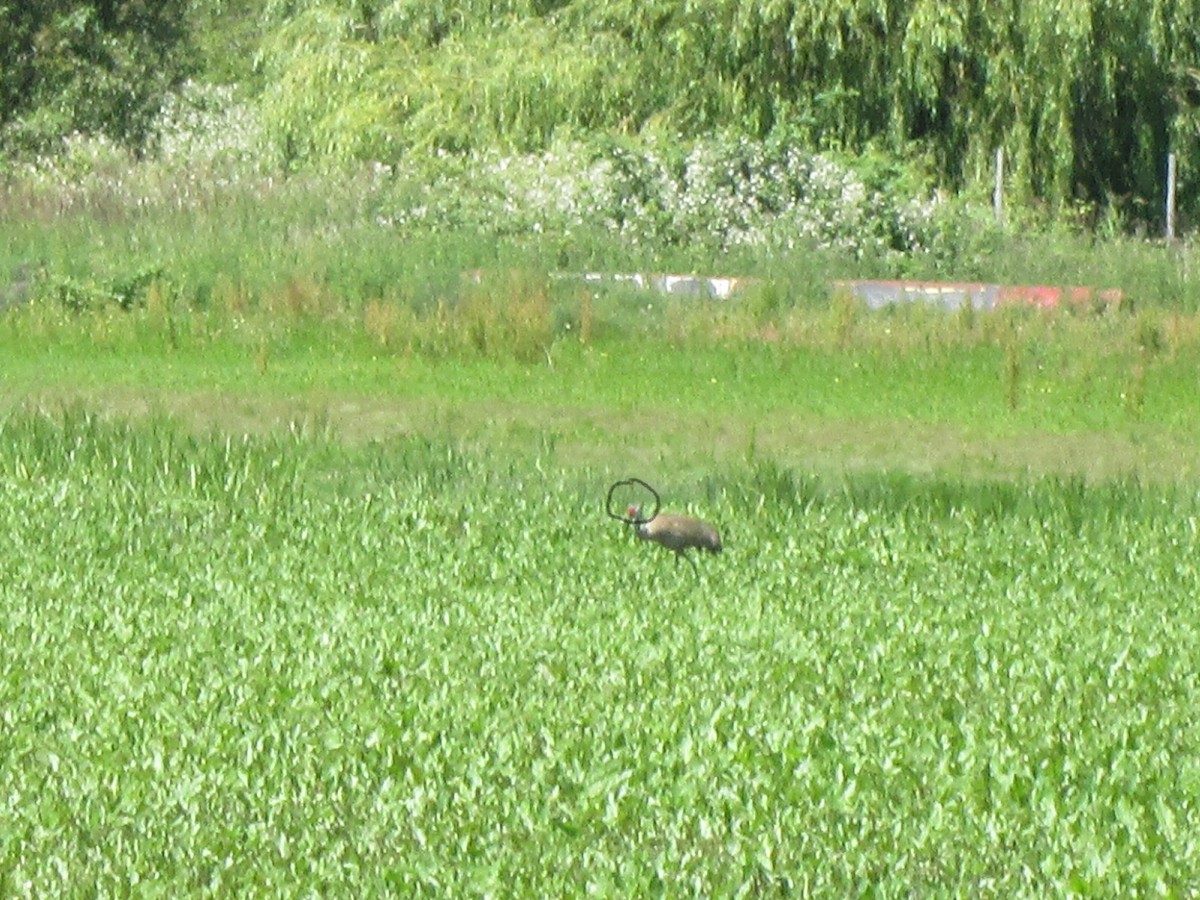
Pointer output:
288, 664
308, 414
308, 589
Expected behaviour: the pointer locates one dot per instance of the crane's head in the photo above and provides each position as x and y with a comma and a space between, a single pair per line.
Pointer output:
633, 518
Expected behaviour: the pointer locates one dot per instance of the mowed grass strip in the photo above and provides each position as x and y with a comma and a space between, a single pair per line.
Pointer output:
885, 403
282, 664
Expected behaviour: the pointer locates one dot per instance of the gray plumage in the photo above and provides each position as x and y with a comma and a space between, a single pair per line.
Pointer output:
677, 533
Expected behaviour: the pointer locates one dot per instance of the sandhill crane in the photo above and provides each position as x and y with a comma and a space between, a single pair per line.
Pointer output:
676, 533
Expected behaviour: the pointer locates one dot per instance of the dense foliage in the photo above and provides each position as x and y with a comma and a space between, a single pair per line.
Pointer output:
1086, 98
96, 66
282, 666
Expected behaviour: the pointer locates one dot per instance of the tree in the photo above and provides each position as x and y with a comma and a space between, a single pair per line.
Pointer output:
1085, 96
93, 66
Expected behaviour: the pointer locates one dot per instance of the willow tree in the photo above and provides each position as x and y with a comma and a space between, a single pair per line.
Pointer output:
352, 79
1085, 96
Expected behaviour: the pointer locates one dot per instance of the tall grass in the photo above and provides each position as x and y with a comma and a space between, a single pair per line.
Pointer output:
613, 350
450, 283
208, 214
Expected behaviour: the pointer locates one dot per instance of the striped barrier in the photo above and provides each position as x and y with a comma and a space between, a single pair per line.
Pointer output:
875, 293
954, 295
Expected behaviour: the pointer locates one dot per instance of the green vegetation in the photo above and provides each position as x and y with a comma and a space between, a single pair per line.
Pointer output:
281, 664
307, 417
1086, 98
1115, 87
94, 67
236, 302
514, 354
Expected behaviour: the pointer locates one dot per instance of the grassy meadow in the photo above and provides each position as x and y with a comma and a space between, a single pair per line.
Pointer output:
308, 586
619, 378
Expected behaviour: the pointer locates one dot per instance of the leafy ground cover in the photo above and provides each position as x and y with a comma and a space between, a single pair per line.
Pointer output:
286, 664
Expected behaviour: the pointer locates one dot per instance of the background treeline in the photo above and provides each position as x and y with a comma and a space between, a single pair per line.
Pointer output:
1086, 97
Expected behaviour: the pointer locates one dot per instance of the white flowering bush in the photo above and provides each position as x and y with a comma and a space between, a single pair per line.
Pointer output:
718, 193
207, 125
205, 144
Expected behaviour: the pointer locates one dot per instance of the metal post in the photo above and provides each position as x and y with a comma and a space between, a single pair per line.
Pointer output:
998, 193
1170, 196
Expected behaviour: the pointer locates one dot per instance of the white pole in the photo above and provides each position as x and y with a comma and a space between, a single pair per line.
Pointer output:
1170, 196
998, 193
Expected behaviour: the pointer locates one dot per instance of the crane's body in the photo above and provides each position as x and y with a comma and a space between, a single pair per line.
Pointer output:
677, 533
